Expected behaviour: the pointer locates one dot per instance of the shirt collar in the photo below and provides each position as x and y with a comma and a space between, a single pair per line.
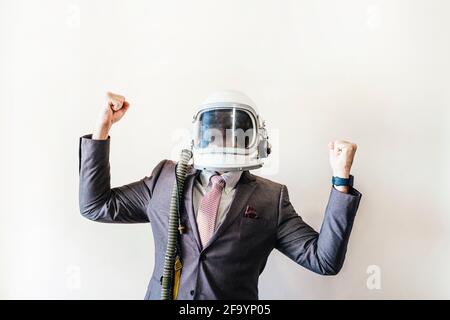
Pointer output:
231, 178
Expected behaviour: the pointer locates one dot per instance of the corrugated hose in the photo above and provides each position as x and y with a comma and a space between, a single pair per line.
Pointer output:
172, 260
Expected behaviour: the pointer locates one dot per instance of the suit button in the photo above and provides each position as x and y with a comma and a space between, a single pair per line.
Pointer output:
192, 292
202, 257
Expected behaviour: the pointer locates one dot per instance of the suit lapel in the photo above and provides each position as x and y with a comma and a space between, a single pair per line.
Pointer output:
244, 190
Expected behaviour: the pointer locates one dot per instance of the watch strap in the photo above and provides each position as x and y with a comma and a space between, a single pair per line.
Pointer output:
338, 181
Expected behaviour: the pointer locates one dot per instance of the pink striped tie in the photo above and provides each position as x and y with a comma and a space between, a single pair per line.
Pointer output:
209, 205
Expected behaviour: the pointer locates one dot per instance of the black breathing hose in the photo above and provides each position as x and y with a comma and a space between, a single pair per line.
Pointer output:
174, 225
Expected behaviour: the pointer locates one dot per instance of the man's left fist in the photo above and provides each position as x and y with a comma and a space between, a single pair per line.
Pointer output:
341, 157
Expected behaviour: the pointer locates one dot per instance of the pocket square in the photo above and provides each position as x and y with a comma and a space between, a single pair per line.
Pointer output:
250, 212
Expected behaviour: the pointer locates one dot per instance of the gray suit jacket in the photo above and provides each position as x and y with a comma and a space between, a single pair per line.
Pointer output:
228, 267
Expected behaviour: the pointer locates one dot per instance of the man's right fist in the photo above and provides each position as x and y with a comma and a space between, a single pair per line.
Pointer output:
116, 107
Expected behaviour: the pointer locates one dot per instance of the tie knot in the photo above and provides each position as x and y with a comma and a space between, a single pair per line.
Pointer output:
218, 181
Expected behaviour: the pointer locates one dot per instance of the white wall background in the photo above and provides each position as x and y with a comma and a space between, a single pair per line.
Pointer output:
375, 72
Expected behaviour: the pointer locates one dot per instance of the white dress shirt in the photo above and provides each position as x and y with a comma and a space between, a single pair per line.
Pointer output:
201, 186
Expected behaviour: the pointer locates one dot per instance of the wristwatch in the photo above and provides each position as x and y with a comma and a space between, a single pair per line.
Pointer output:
337, 181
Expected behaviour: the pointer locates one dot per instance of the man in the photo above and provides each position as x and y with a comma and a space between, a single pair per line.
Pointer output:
232, 219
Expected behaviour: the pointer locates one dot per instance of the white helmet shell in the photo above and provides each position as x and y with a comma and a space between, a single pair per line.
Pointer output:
231, 96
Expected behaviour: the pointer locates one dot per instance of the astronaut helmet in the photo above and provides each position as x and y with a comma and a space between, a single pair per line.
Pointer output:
228, 134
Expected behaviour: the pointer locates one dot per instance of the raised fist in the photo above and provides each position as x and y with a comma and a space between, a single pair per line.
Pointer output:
115, 108
342, 154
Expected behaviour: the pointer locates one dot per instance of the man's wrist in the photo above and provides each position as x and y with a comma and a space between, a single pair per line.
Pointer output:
342, 174
101, 133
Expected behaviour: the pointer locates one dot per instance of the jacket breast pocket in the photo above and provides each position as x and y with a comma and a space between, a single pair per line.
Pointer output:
253, 228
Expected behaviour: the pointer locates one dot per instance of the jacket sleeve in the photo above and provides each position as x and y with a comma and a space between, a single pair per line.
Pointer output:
97, 200
323, 252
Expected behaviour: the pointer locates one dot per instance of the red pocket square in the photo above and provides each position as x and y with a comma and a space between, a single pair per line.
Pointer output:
250, 212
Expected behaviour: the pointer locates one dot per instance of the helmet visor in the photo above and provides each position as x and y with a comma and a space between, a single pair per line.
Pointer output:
225, 128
